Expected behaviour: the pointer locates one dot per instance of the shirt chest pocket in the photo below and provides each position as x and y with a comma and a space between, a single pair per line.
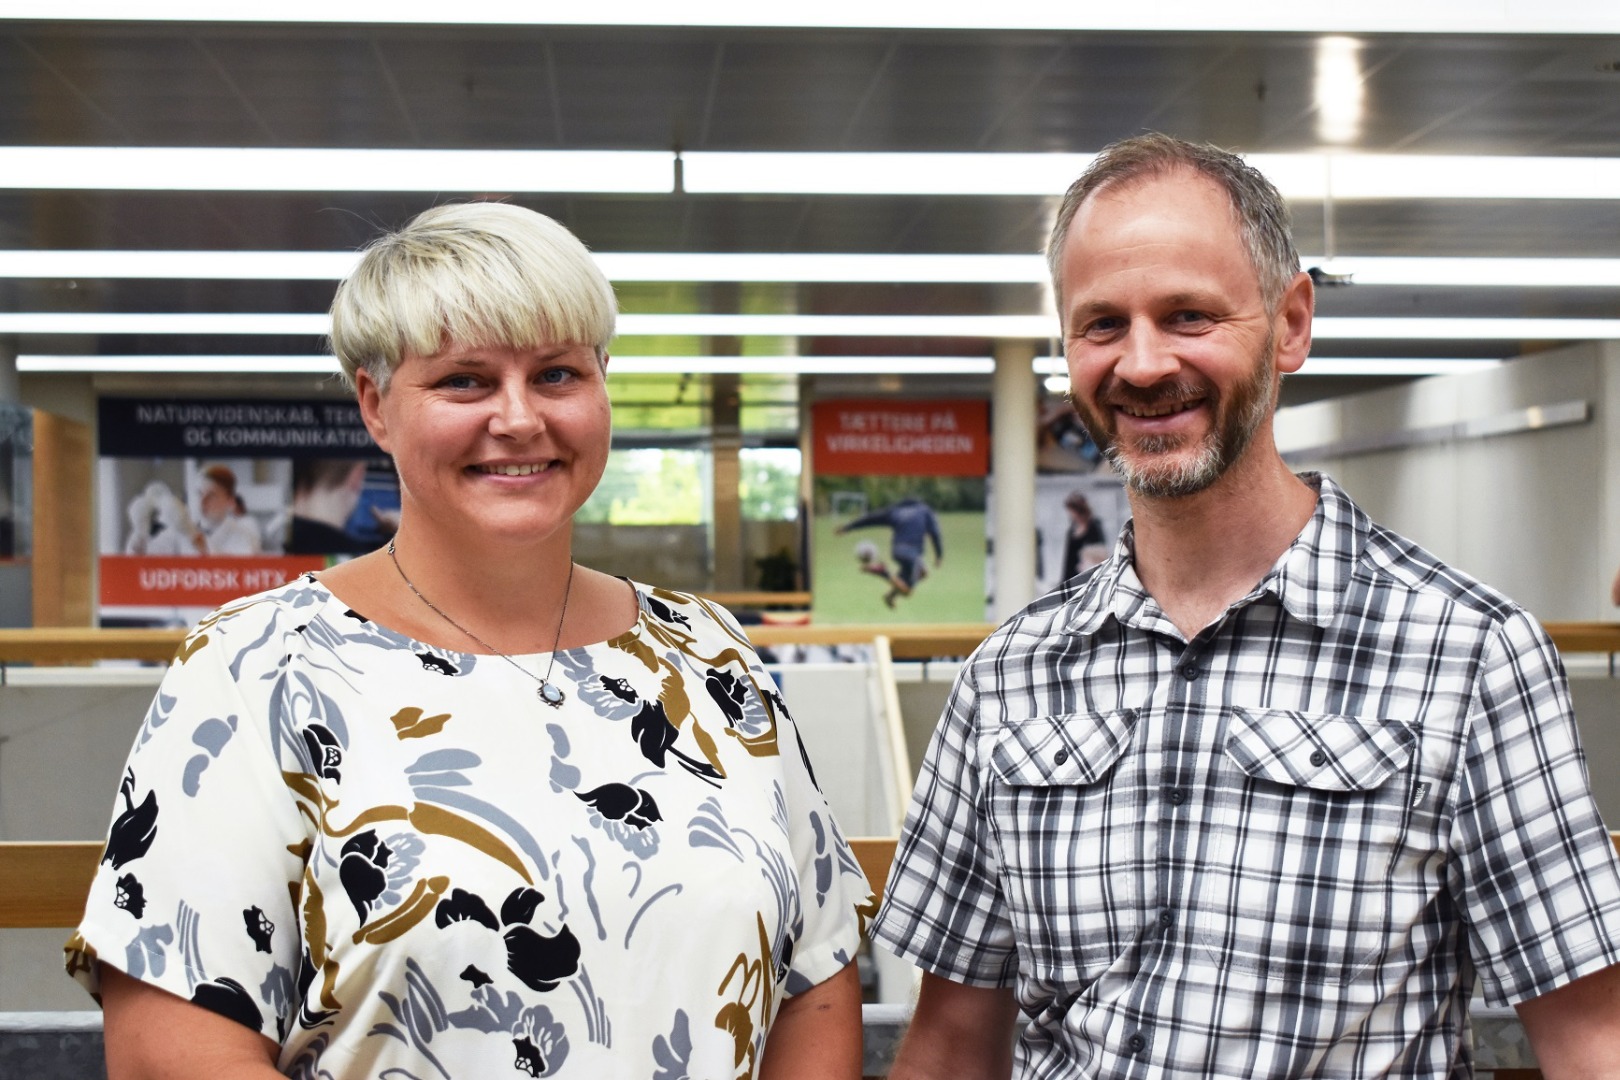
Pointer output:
1066, 824
1308, 814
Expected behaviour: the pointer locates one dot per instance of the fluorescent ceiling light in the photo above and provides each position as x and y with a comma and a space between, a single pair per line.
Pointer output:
849, 173
170, 168
189, 265
802, 365
77, 322
1011, 327
1338, 90
41, 363
1058, 382
176, 365
1474, 273
1310, 176
626, 266
1414, 16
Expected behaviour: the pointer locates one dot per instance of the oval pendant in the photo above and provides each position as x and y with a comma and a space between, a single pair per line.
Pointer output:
551, 695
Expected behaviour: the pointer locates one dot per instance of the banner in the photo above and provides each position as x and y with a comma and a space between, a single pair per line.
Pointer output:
901, 438
205, 500
898, 524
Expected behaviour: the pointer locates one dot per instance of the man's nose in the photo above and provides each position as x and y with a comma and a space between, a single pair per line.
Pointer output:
1145, 357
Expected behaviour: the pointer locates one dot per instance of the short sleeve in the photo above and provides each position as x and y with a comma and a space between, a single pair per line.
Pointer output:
835, 899
196, 888
1537, 875
944, 909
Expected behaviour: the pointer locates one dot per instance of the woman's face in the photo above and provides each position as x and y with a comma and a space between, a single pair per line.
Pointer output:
502, 443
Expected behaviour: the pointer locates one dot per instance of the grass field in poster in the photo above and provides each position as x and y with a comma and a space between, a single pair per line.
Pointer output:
843, 593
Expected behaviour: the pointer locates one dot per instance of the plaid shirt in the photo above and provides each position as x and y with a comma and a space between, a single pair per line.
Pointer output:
1286, 848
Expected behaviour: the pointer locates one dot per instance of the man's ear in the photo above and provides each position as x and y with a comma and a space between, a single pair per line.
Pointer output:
369, 397
1293, 323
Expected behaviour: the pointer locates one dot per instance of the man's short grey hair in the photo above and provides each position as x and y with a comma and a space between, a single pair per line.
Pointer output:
1261, 213
481, 273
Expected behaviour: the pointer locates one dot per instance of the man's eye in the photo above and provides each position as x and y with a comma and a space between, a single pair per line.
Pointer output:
1188, 318
1100, 328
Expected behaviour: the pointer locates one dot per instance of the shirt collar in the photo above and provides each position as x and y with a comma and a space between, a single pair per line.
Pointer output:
1309, 579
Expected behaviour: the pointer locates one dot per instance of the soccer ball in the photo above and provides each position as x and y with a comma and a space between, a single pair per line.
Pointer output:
866, 553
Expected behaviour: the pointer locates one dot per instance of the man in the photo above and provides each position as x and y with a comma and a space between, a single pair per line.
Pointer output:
1268, 792
913, 523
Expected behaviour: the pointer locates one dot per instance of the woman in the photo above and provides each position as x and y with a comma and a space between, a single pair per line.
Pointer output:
462, 807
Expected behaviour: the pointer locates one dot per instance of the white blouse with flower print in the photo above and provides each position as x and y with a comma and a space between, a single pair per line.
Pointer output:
397, 862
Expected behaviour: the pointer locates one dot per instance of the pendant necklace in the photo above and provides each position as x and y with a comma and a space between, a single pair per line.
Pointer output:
548, 692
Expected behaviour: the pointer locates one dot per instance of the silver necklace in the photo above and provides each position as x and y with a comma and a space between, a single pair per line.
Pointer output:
548, 692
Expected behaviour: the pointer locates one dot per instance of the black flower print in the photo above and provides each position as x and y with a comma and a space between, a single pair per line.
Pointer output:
132, 834
727, 691
665, 613
471, 974
540, 1043
619, 688
130, 896
360, 868
656, 735
539, 962
463, 906
259, 928
431, 662
621, 802
324, 752
228, 998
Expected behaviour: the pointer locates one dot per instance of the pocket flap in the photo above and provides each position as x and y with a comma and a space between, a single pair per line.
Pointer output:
1075, 748
1318, 750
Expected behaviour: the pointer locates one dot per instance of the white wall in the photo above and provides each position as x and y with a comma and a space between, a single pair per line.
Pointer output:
1535, 514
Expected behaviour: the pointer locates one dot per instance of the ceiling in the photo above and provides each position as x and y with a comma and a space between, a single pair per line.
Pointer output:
111, 84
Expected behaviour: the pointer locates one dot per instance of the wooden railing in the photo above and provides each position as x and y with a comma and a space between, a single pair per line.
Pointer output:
907, 641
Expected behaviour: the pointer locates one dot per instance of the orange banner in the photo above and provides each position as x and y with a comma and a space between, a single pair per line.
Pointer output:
195, 581
901, 438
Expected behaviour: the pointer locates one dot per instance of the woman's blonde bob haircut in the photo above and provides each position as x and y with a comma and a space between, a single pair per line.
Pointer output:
481, 273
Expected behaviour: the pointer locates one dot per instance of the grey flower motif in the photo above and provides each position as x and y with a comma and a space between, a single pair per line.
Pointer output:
674, 1052
540, 1042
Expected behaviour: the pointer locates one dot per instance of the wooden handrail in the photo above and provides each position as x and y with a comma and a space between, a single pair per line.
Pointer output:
907, 641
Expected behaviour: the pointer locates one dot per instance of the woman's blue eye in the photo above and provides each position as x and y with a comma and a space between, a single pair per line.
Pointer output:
556, 375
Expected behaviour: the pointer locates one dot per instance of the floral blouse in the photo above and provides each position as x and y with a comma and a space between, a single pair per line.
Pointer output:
396, 861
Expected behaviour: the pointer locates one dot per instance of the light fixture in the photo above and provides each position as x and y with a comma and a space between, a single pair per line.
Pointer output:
802, 365
45, 363
1312, 176
1058, 383
185, 168
39, 363
1546, 17
1338, 90
855, 267
996, 327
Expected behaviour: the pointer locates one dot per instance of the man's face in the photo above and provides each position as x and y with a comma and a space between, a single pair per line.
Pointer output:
1171, 351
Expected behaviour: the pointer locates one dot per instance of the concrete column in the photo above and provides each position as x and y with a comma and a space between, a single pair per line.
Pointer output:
1012, 464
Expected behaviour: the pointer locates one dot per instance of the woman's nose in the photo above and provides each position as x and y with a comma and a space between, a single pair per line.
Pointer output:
516, 414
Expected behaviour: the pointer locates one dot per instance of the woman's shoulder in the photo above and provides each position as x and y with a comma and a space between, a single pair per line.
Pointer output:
291, 605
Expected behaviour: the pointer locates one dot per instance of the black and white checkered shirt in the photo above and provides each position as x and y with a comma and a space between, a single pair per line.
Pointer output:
1285, 848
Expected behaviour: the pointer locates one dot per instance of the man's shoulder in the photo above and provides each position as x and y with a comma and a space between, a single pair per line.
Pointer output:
1393, 565
1041, 621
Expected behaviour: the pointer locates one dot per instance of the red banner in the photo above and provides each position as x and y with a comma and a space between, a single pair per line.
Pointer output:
901, 438
195, 581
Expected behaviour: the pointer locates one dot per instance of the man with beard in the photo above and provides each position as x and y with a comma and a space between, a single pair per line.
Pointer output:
1268, 793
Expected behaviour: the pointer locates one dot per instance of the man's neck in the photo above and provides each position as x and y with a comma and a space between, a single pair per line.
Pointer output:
1196, 555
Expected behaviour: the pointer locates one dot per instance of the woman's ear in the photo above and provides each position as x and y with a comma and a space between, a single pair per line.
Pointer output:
369, 396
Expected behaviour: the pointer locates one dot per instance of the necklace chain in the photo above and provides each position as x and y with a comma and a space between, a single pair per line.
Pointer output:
548, 692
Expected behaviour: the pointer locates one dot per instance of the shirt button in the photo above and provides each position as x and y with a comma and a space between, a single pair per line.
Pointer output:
1318, 758
1135, 1043
1177, 796
1190, 671
1129, 716
1165, 918
1060, 757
